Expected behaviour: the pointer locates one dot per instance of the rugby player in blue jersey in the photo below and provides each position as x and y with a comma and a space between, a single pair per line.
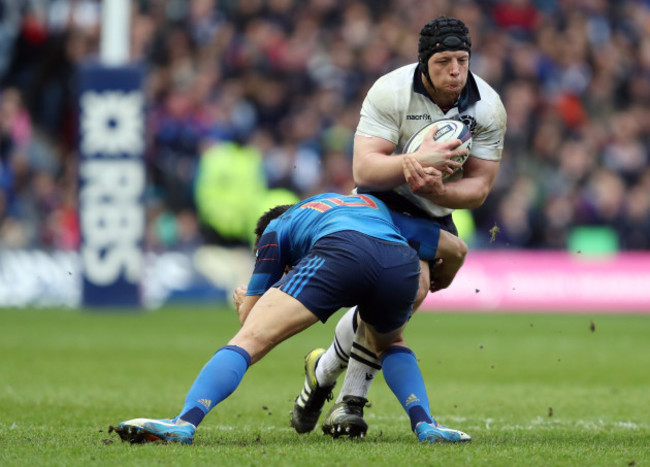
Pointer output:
313, 258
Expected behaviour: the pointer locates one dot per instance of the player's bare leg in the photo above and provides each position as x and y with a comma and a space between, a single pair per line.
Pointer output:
274, 318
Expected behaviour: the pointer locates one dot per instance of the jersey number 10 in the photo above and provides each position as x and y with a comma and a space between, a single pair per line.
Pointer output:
328, 203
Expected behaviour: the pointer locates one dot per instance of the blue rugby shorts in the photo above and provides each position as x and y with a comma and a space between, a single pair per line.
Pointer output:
350, 268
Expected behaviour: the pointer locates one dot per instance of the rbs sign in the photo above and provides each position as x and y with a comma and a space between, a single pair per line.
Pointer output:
111, 184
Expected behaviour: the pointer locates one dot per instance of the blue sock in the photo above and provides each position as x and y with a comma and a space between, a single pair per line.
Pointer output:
404, 378
216, 381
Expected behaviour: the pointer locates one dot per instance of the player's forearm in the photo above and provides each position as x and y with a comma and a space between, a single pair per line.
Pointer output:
378, 171
467, 193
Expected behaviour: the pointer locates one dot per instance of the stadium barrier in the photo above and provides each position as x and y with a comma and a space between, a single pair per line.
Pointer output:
543, 281
490, 281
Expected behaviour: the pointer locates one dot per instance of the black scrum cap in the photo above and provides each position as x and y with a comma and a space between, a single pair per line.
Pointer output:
442, 34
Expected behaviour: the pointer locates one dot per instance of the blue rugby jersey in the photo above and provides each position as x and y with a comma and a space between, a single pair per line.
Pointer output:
291, 236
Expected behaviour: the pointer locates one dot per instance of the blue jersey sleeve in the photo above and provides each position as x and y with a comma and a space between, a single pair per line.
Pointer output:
422, 234
269, 266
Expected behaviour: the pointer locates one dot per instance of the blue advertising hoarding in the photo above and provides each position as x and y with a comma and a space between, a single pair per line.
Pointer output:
112, 182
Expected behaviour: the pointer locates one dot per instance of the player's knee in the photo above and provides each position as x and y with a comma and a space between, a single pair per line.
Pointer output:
451, 249
460, 250
379, 342
453, 257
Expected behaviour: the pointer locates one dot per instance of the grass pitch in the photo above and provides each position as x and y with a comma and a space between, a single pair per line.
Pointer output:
530, 389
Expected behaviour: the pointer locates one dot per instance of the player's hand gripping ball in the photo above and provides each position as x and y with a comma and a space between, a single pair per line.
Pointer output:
448, 130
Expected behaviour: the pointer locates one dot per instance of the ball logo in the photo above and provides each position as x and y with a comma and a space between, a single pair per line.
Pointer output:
444, 130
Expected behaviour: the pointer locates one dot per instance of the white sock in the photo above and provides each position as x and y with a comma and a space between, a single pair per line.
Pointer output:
362, 368
335, 359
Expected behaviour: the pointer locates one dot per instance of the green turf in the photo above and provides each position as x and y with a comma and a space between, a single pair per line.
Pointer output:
530, 389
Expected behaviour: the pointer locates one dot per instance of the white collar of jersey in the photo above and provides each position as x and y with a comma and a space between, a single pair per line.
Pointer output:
468, 96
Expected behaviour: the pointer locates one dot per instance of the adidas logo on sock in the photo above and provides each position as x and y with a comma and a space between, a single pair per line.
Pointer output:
205, 403
411, 399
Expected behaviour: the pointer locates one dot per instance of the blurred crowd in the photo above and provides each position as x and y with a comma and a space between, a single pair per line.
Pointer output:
285, 79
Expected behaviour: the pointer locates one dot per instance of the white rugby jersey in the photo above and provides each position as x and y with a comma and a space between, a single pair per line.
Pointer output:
398, 105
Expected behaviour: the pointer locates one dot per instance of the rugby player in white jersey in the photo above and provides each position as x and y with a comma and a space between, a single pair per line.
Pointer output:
440, 85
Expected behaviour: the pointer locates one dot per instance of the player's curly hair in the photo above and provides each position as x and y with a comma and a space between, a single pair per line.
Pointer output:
266, 218
441, 34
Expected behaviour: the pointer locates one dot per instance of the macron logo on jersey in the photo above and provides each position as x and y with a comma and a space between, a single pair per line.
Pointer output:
419, 117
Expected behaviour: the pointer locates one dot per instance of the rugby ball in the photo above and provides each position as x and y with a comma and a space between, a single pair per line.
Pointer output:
448, 130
